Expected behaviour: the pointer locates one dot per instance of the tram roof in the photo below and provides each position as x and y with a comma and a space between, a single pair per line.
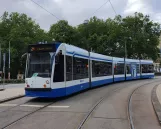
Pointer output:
146, 61
100, 57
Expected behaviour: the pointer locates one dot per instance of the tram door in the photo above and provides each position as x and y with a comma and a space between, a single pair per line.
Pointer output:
134, 72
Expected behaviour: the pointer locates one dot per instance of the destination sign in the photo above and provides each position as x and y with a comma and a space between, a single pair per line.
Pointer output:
41, 48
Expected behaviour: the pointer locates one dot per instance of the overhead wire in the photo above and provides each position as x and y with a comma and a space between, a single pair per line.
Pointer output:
99, 8
113, 7
102, 6
45, 10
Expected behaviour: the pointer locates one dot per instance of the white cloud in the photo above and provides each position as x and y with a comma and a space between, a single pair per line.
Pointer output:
76, 11
137, 6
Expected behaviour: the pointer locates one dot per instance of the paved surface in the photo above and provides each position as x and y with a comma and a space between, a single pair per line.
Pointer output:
158, 92
143, 114
112, 112
69, 112
11, 91
21, 85
156, 100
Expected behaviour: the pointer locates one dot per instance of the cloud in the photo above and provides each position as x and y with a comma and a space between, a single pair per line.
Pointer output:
76, 11
147, 7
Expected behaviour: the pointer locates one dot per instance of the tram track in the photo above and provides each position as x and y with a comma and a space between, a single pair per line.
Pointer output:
86, 116
16, 104
102, 99
32, 112
130, 114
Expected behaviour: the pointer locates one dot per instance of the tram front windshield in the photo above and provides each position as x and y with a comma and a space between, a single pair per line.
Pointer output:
39, 64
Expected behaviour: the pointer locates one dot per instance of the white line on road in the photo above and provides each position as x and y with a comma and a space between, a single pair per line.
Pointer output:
8, 105
26, 105
59, 106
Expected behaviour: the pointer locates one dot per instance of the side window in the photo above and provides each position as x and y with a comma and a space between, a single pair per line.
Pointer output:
144, 68
138, 68
59, 68
119, 68
147, 68
69, 68
96, 68
101, 68
150, 68
80, 68
128, 69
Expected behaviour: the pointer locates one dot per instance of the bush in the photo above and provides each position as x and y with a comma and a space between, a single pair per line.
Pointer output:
13, 81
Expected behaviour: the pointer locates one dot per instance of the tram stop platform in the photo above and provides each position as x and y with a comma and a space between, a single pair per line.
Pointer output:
11, 91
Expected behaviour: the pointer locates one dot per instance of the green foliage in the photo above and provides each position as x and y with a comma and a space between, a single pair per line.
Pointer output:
20, 30
138, 32
62, 32
13, 81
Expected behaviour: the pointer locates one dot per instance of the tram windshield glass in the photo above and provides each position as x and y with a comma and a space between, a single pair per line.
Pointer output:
39, 64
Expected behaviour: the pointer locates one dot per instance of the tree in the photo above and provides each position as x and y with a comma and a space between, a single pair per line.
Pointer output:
62, 32
20, 30
144, 35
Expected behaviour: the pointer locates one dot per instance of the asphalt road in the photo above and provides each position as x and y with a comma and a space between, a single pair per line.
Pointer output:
68, 113
13, 85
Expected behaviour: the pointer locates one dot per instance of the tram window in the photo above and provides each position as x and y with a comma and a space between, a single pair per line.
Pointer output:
59, 68
128, 69
147, 68
119, 69
101, 68
80, 68
68, 68
138, 68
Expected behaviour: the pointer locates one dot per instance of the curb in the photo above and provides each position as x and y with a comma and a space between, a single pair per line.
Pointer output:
156, 103
12, 98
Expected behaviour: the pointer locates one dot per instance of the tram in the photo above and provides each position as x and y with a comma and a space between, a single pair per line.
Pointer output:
58, 69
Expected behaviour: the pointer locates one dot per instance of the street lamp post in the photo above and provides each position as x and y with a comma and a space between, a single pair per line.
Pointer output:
85, 23
9, 63
125, 56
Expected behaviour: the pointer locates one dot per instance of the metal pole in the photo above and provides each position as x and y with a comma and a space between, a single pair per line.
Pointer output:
4, 60
0, 57
125, 50
9, 63
125, 56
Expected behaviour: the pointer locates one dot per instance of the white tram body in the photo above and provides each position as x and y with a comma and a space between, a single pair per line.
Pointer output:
59, 69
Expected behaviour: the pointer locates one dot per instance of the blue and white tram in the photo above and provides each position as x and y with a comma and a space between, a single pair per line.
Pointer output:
132, 69
101, 69
59, 69
147, 68
119, 69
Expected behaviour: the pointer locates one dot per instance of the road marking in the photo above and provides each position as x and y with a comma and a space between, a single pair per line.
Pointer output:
8, 105
59, 106
26, 105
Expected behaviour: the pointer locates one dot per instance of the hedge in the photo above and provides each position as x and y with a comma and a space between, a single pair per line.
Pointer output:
13, 81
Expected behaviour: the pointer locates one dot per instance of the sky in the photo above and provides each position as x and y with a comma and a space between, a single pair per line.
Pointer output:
76, 11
